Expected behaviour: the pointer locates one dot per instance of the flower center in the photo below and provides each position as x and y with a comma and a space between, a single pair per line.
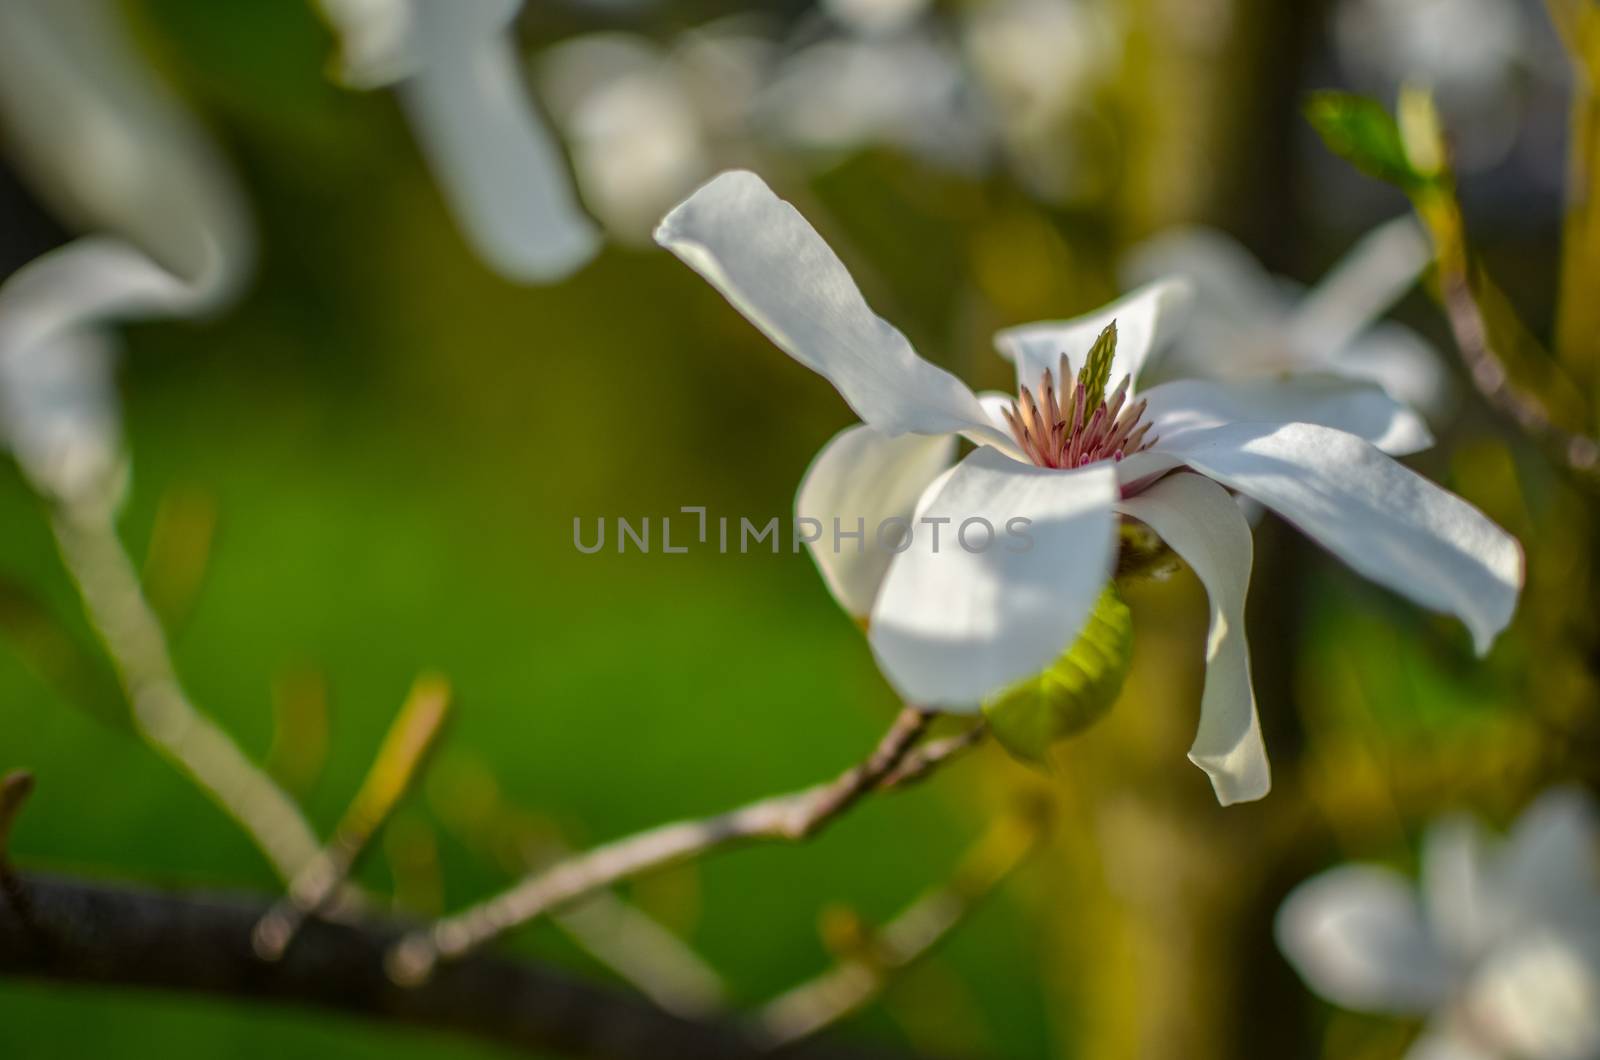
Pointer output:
1074, 427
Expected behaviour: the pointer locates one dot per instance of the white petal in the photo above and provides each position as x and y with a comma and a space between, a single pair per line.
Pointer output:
1402, 362
1201, 523
1231, 289
1384, 520
776, 270
1361, 409
907, 91
636, 135
1442, 1040
1539, 995
102, 140
875, 16
1376, 272
377, 42
1147, 320
1357, 938
497, 164
1548, 866
859, 480
105, 142
1462, 907
955, 625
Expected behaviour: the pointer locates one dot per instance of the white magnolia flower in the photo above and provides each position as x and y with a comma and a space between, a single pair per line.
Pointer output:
645, 124
106, 144
456, 71
951, 627
1500, 948
1247, 322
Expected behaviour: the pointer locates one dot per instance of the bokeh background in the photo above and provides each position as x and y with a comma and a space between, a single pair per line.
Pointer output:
369, 466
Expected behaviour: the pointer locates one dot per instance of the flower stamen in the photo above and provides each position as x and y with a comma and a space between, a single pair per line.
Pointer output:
1069, 427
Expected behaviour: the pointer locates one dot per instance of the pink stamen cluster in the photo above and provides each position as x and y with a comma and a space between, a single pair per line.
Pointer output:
1064, 431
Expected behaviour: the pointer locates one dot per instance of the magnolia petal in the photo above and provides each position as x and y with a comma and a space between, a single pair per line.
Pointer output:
1444, 1041
496, 162
1357, 938
776, 270
1376, 272
106, 143
1361, 409
875, 16
1232, 292
1402, 362
1549, 865
378, 44
1201, 523
952, 626
1538, 994
1384, 520
858, 481
1147, 320
1463, 909
625, 109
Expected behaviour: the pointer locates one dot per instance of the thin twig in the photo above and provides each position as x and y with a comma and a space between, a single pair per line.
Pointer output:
791, 817
162, 713
638, 948
413, 733
875, 957
619, 935
929, 757
1487, 369
99, 934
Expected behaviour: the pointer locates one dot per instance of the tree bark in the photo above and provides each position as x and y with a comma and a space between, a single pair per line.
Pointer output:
112, 935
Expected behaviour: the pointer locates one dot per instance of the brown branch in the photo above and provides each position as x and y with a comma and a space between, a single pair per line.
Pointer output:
1488, 371
924, 760
791, 818
108, 935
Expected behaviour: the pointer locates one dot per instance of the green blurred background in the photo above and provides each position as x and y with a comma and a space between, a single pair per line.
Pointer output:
369, 468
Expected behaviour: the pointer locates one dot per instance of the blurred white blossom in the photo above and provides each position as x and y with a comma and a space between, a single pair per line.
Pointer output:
646, 124
1479, 56
951, 628
456, 70
1040, 65
100, 139
906, 89
876, 16
1247, 322
1499, 947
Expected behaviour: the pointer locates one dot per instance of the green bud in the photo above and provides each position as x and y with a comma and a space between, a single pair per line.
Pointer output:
1072, 693
1096, 371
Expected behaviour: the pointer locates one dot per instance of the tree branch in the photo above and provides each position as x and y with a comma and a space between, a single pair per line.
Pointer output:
162, 713
791, 818
1487, 368
875, 956
108, 935
411, 737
